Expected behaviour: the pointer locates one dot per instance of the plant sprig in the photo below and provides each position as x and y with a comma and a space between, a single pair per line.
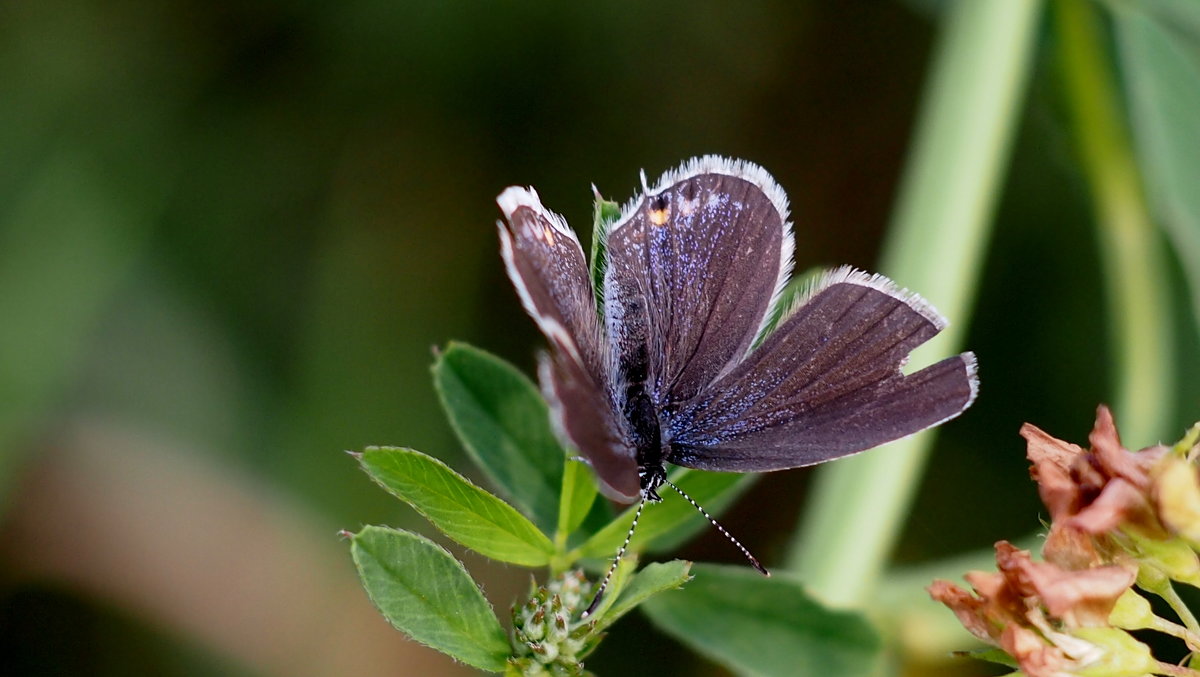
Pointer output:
425, 592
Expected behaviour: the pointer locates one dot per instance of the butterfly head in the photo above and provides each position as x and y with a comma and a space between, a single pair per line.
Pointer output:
651, 478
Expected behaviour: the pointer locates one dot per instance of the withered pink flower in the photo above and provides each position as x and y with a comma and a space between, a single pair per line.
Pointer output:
1029, 608
1117, 516
969, 609
1114, 459
1120, 503
1036, 657
1080, 598
1072, 548
1093, 493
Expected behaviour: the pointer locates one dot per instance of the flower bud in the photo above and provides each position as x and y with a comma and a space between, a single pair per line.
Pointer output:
545, 652
1131, 612
535, 628
1189, 445
1177, 497
1174, 558
549, 637
1121, 656
1152, 579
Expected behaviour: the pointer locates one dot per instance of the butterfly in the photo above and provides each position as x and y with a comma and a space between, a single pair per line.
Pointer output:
696, 357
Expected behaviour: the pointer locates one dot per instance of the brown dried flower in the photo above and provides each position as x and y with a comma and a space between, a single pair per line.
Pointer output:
1106, 503
1029, 609
1117, 516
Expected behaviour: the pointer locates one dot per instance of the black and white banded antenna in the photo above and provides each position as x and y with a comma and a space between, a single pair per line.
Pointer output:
745, 551
637, 515
616, 560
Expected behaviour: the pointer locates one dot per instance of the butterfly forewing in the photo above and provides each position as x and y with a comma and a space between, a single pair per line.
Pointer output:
705, 252
827, 383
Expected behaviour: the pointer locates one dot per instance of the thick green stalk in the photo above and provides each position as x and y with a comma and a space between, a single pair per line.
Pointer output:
936, 243
1134, 265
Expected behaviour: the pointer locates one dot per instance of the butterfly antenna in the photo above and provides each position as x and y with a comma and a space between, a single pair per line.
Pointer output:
726, 534
616, 560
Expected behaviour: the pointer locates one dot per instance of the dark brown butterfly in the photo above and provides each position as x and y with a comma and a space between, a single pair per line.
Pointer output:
684, 365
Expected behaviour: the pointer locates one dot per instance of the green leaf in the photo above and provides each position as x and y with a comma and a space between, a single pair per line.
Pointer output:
651, 580
427, 594
604, 214
1161, 59
578, 495
936, 242
1134, 268
765, 626
626, 568
504, 424
659, 521
463, 511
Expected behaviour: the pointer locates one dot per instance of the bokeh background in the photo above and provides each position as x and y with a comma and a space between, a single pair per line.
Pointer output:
231, 233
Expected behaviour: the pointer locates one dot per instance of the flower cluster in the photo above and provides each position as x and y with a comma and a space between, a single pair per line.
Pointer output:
549, 637
1119, 518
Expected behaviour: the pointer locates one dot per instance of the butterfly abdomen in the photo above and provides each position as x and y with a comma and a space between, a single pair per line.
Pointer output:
632, 352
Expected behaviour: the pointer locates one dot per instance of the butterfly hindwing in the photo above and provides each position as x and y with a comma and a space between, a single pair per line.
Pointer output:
827, 383
581, 412
547, 266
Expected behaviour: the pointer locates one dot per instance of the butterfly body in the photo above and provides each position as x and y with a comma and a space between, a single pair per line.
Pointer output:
697, 358
635, 398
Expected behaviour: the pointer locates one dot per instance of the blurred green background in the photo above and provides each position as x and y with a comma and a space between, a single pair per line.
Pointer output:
231, 233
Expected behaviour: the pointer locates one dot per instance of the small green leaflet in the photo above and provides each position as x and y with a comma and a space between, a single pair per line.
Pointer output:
654, 578
504, 425
463, 511
427, 594
604, 214
578, 495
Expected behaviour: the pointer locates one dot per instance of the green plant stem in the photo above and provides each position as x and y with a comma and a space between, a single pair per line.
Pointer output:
1177, 605
561, 532
1176, 630
1175, 670
936, 242
1136, 288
